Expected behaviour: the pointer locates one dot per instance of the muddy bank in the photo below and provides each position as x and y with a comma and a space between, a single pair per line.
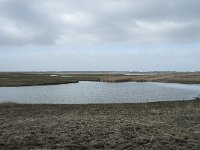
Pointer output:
160, 125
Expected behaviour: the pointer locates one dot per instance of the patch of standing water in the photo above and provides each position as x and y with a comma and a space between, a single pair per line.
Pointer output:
100, 92
53, 75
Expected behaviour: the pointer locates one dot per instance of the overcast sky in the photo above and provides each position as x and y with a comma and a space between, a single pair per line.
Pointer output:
126, 35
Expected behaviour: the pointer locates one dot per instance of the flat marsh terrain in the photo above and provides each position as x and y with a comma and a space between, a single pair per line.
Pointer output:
27, 79
158, 125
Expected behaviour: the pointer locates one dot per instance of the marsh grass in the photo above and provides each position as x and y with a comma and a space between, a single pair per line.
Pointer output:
28, 79
156, 125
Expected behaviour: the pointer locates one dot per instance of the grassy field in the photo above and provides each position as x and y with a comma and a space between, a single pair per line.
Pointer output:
25, 79
158, 125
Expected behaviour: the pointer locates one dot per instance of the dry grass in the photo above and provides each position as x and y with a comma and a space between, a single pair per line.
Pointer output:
26, 79
188, 78
161, 125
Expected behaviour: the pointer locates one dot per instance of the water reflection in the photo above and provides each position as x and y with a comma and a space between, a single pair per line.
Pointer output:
99, 92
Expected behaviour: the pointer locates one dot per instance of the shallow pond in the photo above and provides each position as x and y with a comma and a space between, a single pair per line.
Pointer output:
100, 92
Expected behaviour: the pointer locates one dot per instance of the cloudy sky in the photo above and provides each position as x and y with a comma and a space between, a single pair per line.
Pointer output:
126, 35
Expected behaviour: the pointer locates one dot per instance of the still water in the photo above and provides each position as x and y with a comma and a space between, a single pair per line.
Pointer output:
100, 92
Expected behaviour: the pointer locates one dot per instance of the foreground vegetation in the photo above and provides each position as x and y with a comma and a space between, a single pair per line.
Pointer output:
25, 79
158, 125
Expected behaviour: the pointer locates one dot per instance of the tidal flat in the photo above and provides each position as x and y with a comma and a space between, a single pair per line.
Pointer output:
156, 125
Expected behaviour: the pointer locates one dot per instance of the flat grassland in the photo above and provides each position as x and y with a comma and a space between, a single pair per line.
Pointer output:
158, 125
28, 79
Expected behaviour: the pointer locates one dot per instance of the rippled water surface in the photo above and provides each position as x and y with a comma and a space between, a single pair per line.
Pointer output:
99, 92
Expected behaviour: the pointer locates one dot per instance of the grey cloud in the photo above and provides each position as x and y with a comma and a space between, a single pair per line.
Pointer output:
121, 60
50, 22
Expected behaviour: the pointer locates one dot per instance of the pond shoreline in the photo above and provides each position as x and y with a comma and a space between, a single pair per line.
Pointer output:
155, 125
